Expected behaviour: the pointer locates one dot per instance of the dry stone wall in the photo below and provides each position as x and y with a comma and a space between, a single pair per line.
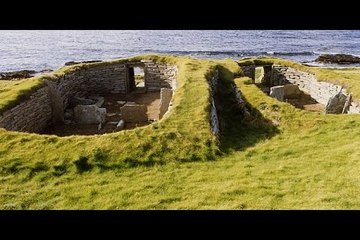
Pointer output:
103, 79
307, 82
159, 76
32, 115
249, 71
214, 120
43, 107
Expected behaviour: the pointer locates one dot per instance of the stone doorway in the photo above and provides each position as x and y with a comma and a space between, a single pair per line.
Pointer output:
135, 78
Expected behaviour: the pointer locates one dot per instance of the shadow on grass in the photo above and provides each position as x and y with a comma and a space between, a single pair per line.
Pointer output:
239, 130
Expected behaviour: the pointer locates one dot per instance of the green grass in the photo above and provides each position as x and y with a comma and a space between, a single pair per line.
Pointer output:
6, 83
276, 157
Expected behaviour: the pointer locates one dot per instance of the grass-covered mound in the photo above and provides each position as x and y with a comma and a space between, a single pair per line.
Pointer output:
277, 157
183, 136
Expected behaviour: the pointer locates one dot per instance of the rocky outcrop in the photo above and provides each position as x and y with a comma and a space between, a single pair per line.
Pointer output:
338, 58
17, 75
22, 74
73, 62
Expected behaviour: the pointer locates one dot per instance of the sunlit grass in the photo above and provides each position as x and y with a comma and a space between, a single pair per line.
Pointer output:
276, 157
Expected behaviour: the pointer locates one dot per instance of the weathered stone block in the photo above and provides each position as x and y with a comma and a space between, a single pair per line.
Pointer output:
291, 91
336, 103
134, 113
278, 92
81, 101
165, 98
89, 114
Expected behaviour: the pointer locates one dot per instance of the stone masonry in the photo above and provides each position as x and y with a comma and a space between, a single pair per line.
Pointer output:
42, 107
307, 82
31, 115
214, 120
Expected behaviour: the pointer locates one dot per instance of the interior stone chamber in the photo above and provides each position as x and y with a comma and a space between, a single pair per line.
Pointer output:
280, 82
46, 106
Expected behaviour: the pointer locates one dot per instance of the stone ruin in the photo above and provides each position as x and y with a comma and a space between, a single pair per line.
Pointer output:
302, 89
102, 96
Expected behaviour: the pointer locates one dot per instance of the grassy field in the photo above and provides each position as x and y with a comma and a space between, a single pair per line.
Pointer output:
276, 157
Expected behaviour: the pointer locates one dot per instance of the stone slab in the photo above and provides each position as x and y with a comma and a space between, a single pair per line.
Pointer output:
134, 113
89, 114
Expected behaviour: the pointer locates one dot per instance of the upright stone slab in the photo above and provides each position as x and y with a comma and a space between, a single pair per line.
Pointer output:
165, 98
336, 103
89, 114
278, 92
134, 113
57, 105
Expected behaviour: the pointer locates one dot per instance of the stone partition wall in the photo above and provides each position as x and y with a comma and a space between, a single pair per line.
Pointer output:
102, 79
159, 76
214, 120
41, 108
240, 101
307, 82
165, 101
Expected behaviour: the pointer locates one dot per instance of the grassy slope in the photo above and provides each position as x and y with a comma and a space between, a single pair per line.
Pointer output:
278, 157
6, 83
